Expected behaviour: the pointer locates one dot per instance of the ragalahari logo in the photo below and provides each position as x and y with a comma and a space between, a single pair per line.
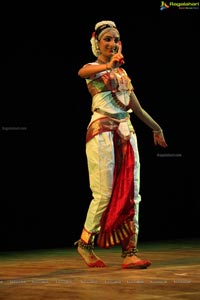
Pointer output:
164, 5
179, 5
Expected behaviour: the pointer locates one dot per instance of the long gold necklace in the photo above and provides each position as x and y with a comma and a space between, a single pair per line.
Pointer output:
114, 74
113, 78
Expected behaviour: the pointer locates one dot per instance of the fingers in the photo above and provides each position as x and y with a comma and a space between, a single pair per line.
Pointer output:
159, 141
120, 47
121, 61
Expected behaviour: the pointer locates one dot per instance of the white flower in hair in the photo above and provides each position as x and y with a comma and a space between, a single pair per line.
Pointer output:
110, 23
94, 44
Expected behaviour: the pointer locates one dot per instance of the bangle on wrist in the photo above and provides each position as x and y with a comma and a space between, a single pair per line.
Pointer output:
107, 68
157, 131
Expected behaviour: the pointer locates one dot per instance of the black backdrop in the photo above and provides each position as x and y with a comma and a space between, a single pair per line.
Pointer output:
45, 109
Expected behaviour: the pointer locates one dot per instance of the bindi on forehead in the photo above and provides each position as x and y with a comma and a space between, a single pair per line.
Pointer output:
111, 35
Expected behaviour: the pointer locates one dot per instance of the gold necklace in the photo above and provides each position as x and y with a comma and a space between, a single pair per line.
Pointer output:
113, 76
113, 91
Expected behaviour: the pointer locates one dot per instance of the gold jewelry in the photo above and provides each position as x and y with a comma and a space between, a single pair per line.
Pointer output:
157, 131
107, 68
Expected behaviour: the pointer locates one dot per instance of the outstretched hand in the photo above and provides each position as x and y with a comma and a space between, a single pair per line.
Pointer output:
159, 139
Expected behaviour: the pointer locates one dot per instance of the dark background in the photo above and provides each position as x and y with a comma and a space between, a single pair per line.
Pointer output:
45, 109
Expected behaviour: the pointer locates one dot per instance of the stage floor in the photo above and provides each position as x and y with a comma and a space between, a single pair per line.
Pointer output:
61, 274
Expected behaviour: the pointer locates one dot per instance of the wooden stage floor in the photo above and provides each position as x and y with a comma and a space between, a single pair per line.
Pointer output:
61, 274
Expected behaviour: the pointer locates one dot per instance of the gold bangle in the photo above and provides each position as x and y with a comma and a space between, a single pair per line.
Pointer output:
107, 67
157, 131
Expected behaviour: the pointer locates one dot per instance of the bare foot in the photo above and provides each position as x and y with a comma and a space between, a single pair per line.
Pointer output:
90, 258
135, 262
